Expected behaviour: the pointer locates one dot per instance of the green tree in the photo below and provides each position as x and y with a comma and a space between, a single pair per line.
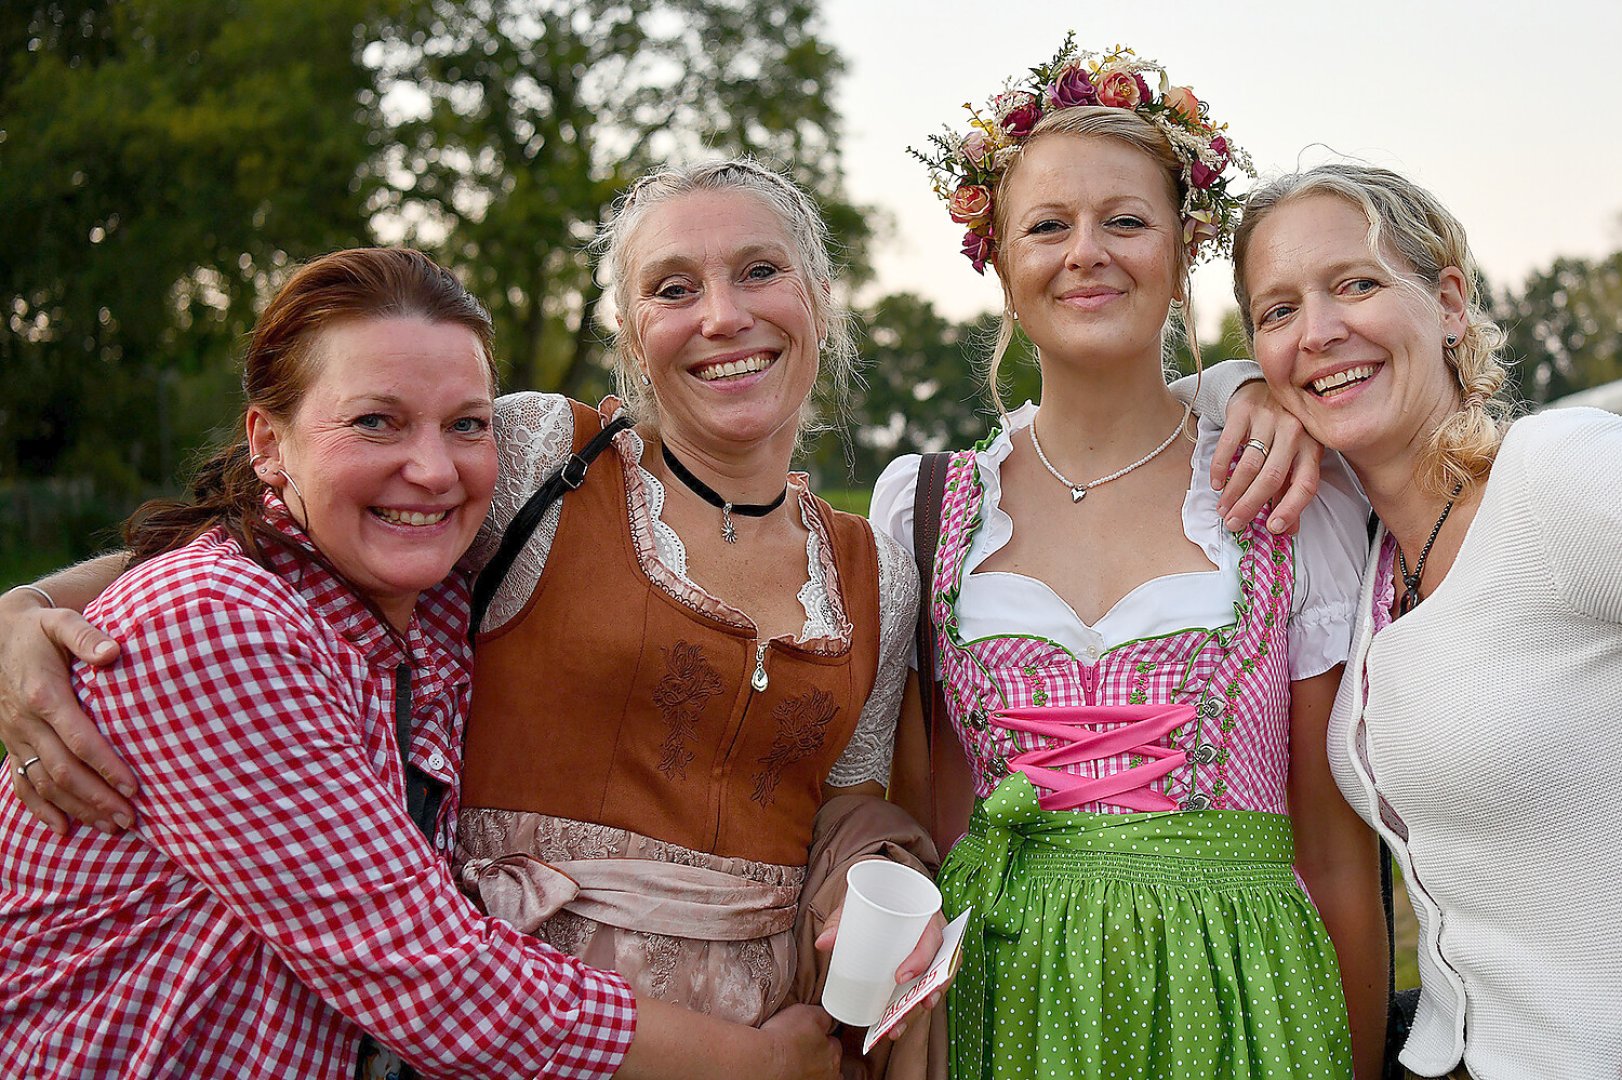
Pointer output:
1565, 327
521, 119
925, 389
160, 160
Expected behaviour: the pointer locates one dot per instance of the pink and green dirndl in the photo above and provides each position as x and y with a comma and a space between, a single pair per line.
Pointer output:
1129, 861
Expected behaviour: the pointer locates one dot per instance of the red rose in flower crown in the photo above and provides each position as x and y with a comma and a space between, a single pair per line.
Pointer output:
1202, 175
967, 169
979, 249
1018, 113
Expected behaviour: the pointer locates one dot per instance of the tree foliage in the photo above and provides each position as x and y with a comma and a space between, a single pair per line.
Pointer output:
160, 159
1565, 327
523, 118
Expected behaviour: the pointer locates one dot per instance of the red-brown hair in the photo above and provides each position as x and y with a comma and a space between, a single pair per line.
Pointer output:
278, 368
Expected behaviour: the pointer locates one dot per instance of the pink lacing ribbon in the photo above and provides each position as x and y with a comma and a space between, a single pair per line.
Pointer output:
1129, 729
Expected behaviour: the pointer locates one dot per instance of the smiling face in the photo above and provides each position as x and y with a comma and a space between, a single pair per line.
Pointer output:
1089, 255
391, 452
722, 319
1350, 341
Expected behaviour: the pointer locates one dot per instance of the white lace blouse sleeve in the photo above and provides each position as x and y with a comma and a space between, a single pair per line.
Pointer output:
1216, 387
867, 756
534, 433
1330, 551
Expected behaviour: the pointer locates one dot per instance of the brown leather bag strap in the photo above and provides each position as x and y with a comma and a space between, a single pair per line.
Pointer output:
927, 497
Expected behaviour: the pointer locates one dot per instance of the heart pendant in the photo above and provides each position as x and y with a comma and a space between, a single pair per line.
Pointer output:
1077, 494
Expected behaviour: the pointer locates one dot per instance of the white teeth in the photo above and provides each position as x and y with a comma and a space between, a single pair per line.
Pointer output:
409, 517
747, 366
1342, 378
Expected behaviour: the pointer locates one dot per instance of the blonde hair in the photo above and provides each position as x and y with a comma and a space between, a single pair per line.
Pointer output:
1426, 236
614, 246
1088, 121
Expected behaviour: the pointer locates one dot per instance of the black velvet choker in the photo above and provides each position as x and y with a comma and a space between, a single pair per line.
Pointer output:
709, 495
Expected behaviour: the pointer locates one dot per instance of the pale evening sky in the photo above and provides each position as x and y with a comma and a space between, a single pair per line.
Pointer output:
1508, 111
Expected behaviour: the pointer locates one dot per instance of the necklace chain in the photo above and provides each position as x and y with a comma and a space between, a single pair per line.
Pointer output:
1410, 582
1079, 491
711, 496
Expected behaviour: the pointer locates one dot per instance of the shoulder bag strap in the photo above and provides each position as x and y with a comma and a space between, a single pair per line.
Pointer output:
566, 477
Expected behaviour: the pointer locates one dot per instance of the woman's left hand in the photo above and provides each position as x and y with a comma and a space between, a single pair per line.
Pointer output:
1285, 473
916, 963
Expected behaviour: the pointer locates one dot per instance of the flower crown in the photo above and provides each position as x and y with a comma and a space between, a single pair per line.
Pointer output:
967, 169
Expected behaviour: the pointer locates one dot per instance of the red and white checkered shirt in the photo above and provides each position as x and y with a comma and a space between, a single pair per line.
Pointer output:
274, 900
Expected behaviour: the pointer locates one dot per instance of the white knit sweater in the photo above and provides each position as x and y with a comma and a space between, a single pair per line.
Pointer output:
1489, 755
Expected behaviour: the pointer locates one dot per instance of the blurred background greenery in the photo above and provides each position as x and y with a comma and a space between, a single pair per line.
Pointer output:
164, 163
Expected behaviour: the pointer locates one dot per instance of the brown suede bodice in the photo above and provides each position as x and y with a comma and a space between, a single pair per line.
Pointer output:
607, 699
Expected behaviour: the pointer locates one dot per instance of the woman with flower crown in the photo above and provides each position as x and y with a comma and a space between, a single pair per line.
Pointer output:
1139, 686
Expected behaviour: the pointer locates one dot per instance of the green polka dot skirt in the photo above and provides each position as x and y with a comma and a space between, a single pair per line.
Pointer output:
1125, 946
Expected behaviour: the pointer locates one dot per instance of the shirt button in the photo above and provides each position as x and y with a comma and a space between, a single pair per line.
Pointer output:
1092, 652
436, 760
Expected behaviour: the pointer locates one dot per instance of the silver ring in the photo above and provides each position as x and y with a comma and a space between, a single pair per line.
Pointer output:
22, 770
1257, 444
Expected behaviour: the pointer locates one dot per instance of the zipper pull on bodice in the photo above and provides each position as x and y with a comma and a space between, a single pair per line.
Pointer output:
758, 679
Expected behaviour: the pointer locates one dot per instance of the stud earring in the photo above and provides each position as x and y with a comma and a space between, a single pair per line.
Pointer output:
1452, 340
645, 380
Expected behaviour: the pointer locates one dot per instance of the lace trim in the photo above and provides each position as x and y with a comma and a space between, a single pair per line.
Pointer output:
534, 434
872, 745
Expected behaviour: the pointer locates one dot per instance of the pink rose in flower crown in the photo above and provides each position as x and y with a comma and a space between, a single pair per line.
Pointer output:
970, 205
1202, 175
1181, 99
1122, 90
979, 249
1071, 87
1018, 112
975, 146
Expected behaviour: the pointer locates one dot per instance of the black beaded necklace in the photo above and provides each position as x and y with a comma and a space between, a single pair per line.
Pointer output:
1410, 582
709, 495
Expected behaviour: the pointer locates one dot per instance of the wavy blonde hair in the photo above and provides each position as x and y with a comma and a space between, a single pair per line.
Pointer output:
1410, 222
1089, 121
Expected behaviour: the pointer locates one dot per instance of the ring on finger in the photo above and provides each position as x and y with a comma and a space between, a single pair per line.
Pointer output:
22, 770
1256, 444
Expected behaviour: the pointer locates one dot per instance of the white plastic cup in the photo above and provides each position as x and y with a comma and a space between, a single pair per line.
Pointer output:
887, 908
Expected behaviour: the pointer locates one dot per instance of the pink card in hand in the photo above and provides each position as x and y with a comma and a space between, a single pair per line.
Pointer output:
909, 995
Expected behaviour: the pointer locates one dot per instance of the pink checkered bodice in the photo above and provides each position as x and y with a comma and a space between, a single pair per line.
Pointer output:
1229, 746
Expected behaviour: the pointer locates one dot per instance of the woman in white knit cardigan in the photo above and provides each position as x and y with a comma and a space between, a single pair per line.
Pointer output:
1480, 732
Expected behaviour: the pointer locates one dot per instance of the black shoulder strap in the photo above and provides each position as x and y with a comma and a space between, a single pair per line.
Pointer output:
566, 477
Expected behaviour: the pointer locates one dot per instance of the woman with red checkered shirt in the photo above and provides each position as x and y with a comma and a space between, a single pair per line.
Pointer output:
294, 672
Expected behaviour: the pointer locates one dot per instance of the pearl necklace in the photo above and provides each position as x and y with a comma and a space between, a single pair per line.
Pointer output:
1079, 492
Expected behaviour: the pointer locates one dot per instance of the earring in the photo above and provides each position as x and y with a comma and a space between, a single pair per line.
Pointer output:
645, 380
305, 524
1452, 340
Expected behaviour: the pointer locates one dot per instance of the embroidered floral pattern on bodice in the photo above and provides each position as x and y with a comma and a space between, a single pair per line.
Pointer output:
802, 726
688, 685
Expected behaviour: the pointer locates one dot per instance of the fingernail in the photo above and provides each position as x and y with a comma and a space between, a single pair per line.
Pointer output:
107, 827
1275, 524
126, 790
1232, 523
104, 648
123, 819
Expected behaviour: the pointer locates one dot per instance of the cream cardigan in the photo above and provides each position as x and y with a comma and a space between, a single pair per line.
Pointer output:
1488, 754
